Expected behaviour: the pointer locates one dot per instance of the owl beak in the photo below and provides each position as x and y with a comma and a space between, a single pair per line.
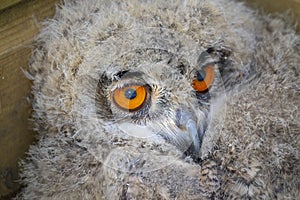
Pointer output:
193, 133
186, 118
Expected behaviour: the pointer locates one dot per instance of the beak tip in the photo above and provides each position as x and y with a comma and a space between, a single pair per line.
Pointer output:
193, 132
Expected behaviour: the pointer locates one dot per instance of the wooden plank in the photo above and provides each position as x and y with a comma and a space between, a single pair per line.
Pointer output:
19, 25
8, 3
278, 6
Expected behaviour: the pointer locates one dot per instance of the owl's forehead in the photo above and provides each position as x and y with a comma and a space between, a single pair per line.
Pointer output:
160, 74
160, 70
160, 64
137, 48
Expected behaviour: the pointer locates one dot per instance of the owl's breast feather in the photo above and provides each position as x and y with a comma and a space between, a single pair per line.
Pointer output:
139, 131
184, 134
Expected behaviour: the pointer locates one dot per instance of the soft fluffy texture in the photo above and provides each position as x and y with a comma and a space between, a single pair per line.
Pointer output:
251, 145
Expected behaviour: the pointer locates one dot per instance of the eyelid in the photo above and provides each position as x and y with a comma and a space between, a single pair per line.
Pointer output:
126, 74
205, 59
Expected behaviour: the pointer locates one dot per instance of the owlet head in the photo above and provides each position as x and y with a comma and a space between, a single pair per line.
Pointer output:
157, 85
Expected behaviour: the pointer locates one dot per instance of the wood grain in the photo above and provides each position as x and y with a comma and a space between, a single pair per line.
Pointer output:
19, 24
278, 6
8, 3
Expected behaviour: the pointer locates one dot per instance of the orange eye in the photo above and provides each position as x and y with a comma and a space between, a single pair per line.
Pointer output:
204, 79
130, 97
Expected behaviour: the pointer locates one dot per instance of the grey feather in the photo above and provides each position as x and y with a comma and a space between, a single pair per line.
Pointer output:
247, 137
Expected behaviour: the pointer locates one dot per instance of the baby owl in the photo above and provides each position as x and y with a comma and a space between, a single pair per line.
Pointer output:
176, 99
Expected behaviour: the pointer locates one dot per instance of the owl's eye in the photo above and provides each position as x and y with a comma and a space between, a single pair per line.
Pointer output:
130, 97
204, 79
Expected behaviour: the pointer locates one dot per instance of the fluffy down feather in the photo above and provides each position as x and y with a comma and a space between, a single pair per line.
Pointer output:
250, 149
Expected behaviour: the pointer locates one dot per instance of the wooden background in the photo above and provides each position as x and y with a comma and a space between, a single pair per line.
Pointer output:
20, 21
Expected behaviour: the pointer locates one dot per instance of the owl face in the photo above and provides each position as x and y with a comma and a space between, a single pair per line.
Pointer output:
155, 94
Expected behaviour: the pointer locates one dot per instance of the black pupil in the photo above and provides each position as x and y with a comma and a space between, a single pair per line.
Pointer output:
201, 75
130, 93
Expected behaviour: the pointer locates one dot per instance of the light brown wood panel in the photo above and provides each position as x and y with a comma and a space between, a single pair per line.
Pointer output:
278, 6
19, 24
8, 3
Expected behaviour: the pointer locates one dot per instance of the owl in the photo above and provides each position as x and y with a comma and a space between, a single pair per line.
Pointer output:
176, 99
